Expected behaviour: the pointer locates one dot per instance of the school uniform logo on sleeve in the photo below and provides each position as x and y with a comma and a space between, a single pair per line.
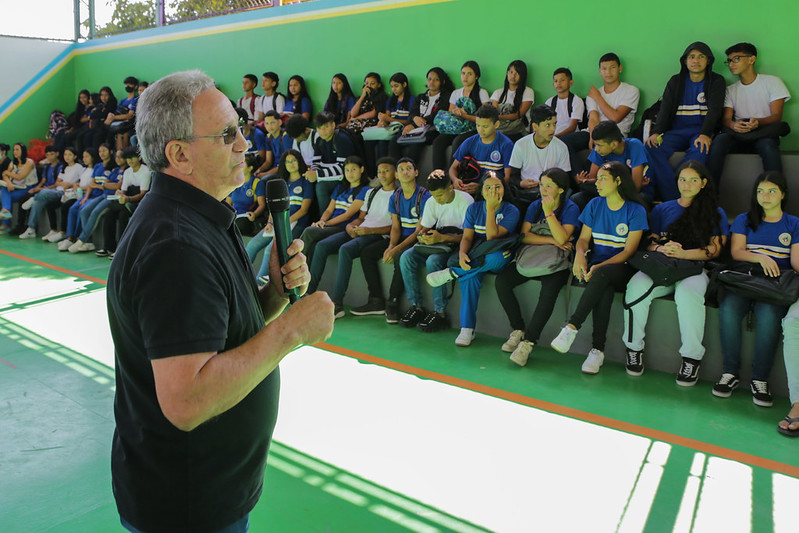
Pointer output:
249, 193
349, 198
499, 217
249, 145
701, 98
495, 156
622, 229
414, 212
297, 189
629, 163
785, 239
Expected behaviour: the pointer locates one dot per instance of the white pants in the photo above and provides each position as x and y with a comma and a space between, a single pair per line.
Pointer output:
790, 349
689, 295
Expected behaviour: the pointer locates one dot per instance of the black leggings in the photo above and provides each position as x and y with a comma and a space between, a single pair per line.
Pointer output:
371, 257
598, 298
551, 284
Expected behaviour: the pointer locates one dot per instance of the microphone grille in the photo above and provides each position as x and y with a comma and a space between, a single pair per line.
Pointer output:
277, 195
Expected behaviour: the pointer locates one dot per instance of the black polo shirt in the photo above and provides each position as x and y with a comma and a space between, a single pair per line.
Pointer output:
181, 283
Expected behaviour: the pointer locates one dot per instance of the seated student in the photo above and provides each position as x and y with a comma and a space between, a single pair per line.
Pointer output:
373, 224
364, 111
277, 143
423, 112
442, 223
491, 149
688, 117
767, 236
470, 79
121, 121
397, 111
17, 180
90, 213
331, 149
142, 86
691, 227
609, 145
514, 101
250, 102
50, 199
121, 206
534, 153
789, 426
78, 120
340, 100
569, 107
342, 208
615, 222
491, 218
303, 138
561, 217
291, 168
249, 198
98, 130
752, 117
271, 99
256, 139
71, 202
406, 208
615, 100
298, 102
51, 168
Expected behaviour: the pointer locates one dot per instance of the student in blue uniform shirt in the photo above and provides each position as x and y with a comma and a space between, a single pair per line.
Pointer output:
692, 227
297, 101
51, 168
249, 198
490, 148
615, 222
340, 100
769, 237
301, 193
562, 218
397, 110
492, 218
256, 139
277, 142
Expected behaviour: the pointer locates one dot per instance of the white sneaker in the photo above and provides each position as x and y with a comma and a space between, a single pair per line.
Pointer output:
440, 277
522, 353
64, 245
29, 233
27, 204
57, 236
465, 338
82, 247
513, 341
73, 248
593, 361
49, 234
564, 340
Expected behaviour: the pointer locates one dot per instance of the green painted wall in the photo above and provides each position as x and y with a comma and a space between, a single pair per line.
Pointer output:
649, 37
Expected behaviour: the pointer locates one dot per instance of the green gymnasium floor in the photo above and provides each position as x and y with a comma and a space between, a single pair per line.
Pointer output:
412, 434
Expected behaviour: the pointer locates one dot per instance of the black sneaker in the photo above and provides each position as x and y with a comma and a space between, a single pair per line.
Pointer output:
689, 372
635, 362
760, 393
338, 311
434, 322
725, 385
102, 252
392, 312
375, 306
412, 317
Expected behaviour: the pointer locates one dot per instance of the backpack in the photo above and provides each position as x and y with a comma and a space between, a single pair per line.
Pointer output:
355, 139
583, 122
417, 193
58, 123
650, 113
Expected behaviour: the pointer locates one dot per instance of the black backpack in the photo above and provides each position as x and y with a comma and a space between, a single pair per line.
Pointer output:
583, 123
650, 113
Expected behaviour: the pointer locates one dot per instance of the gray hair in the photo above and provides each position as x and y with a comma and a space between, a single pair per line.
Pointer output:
164, 113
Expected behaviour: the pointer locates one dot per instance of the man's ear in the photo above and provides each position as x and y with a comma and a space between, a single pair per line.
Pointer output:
176, 155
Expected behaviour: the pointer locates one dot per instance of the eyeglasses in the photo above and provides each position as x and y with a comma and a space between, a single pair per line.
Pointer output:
229, 136
736, 59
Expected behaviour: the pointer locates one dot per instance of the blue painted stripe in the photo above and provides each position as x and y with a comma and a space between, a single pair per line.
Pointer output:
39, 78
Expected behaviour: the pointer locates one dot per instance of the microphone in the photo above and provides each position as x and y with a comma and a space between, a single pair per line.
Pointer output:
277, 201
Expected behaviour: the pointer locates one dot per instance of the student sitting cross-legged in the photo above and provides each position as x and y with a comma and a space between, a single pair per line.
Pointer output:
372, 225
561, 217
492, 218
442, 225
615, 222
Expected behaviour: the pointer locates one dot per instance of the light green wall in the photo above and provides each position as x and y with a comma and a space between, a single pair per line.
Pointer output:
649, 38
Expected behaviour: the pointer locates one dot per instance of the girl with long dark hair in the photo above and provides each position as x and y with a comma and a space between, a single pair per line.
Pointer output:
297, 99
514, 101
373, 98
340, 100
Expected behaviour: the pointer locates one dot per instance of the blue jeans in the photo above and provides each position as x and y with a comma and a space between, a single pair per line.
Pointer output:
660, 171
323, 249
7, 198
790, 348
242, 526
471, 280
74, 226
732, 310
410, 261
42, 200
324, 190
346, 255
724, 143
91, 211
264, 242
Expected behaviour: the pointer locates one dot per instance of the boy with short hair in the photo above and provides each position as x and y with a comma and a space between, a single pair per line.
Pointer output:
122, 120
331, 150
448, 210
299, 130
569, 107
271, 99
752, 117
250, 101
256, 140
534, 153
277, 142
406, 207
490, 148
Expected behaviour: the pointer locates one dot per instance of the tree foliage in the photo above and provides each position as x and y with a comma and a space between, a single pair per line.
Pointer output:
131, 15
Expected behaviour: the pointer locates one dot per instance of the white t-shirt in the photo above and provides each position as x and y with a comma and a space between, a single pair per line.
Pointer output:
533, 160
752, 101
624, 95
266, 103
562, 109
70, 174
141, 178
457, 93
306, 147
86, 177
378, 215
246, 103
28, 179
438, 215
527, 96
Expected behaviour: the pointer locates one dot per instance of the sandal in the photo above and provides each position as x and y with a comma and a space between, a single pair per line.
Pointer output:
787, 431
